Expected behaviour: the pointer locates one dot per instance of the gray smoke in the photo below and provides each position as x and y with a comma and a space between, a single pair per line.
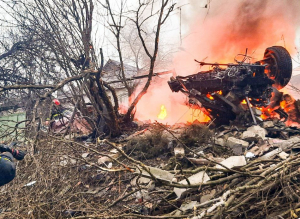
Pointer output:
227, 27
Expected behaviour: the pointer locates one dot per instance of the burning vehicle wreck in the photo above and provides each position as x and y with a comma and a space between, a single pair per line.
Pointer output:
238, 92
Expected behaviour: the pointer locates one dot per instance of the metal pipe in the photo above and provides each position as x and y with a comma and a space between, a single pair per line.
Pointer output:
251, 111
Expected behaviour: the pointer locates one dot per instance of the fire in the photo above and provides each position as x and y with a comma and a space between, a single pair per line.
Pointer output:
244, 102
210, 96
163, 112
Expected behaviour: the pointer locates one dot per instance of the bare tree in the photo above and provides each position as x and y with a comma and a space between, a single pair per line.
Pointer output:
61, 49
52, 48
147, 12
115, 27
162, 14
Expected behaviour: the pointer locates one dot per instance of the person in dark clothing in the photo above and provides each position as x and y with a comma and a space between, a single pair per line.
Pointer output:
7, 166
57, 111
59, 120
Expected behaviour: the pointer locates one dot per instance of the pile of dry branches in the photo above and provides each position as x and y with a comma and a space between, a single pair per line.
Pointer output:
65, 179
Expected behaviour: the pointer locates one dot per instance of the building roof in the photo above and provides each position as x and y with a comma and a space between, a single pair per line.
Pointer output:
112, 72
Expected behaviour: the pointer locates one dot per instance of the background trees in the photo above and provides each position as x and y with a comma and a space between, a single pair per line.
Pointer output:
55, 46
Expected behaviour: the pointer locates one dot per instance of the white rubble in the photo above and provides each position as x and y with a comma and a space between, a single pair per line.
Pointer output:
156, 172
259, 131
249, 136
268, 124
232, 141
220, 141
283, 155
249, 155
197, 178
141, 180
179, 151
233, 161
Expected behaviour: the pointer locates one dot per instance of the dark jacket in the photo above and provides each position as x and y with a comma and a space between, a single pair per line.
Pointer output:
7, 168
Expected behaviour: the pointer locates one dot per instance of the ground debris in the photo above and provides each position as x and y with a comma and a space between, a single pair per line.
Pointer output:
184, 177
233, 161
200, 177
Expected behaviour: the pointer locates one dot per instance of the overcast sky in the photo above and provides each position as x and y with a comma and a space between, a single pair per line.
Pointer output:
192, 23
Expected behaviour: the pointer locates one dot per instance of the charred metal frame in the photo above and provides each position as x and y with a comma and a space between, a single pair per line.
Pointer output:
220, 91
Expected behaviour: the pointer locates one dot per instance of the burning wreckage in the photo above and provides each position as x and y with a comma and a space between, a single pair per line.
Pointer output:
220, 92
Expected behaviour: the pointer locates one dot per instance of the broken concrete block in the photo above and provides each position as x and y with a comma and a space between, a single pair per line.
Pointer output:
156, 172
231, 142
249, 136
234, 161
179, 151
259, 131
268, 124
220, 141
283, 155
141, 180
237, 149
197, 178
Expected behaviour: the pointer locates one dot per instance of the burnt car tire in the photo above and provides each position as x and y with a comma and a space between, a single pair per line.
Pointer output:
279, 64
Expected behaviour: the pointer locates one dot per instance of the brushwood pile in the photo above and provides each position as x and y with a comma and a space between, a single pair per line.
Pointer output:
159, 171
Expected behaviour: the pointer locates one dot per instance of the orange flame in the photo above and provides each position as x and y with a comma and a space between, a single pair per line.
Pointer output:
163, 112
210, 96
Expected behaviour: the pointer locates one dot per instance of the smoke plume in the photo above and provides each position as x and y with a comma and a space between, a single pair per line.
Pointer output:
228, 27
217, 33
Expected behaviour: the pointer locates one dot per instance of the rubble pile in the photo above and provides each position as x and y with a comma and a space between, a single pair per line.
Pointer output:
179, 171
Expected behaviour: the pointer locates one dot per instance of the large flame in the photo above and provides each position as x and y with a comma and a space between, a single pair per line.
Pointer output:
175, 104
218, 35
163, 112
231, 26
